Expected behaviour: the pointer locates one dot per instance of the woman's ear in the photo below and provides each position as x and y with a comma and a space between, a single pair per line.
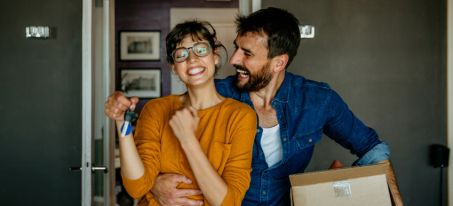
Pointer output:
216, 59
172, 67
216, 56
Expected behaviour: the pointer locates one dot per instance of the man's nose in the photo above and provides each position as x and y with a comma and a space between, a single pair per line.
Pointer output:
235, 58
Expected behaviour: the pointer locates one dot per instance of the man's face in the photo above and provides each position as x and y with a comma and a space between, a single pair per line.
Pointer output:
253, 70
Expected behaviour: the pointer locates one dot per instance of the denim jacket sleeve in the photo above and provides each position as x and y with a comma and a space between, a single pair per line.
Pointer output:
347, 130
379, 153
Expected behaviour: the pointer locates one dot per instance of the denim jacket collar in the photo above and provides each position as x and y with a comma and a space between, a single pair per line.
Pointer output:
282, 92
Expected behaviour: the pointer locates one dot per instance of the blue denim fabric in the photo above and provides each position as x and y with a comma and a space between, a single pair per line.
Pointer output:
305, 110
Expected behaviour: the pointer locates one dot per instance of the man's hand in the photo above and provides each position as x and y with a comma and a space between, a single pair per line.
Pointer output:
166, 193
336, 164
117, 104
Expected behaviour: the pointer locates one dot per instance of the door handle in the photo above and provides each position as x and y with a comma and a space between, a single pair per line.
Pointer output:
102, 168
75, 168
93, 169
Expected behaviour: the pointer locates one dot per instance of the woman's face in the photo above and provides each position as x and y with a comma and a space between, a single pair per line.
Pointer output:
195, 65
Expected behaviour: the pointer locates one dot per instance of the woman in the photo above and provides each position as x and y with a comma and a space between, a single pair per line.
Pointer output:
200, 134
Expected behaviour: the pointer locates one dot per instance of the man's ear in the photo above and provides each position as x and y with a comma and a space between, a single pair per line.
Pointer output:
280, 62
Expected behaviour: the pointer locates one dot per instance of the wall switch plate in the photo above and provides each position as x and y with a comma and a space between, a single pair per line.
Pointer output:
307, 31
37, 32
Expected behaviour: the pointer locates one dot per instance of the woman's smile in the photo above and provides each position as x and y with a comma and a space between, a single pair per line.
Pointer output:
194, 71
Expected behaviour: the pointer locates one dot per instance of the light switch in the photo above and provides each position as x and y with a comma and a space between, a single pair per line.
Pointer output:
37, 32
307, 31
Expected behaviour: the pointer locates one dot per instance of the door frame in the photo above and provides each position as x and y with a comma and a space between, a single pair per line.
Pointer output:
450, 95
85, 166
89, 105
248, 6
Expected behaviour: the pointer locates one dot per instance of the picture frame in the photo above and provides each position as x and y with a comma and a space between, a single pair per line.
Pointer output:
140, 45
143, 83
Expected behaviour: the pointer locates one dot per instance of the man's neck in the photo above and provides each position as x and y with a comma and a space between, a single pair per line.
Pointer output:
263, 97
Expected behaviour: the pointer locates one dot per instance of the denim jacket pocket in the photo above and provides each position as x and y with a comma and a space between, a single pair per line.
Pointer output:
304, 140
219, 156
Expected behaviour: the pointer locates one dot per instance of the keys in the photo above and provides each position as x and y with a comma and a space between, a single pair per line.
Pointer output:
129, 117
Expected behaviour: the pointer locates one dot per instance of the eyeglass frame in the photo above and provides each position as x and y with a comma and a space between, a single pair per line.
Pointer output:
188, 49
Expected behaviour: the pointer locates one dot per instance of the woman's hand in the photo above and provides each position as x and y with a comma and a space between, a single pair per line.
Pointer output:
117, 104
184, 123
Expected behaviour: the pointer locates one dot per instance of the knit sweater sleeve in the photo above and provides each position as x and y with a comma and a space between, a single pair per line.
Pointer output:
147, 139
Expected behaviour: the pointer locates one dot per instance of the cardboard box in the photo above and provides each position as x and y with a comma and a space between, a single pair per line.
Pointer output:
355, 186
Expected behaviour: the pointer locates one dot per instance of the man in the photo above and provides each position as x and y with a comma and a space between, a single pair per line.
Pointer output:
293, 112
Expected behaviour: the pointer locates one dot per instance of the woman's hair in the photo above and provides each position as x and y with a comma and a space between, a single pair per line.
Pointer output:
199, 30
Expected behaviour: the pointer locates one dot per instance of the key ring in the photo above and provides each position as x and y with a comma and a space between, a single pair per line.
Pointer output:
129, 117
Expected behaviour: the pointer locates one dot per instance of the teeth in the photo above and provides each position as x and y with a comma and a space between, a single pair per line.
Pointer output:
195, 70
242, 72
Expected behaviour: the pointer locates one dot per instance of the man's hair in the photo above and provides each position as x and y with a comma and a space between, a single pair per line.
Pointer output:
280, 26
199, 30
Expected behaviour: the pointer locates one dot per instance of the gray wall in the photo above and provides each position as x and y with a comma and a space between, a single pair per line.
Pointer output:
40, 107
387, 60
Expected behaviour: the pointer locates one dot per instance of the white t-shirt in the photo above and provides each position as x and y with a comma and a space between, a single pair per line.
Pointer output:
272, 145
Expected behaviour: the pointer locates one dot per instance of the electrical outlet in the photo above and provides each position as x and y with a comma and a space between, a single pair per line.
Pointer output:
307, 31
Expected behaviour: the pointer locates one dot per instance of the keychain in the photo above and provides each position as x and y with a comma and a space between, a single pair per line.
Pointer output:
129, 117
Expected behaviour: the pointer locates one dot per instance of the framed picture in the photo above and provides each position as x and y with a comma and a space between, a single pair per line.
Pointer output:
144, 83
139, 45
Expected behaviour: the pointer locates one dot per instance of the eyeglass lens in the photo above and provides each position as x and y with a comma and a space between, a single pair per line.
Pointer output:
200, 49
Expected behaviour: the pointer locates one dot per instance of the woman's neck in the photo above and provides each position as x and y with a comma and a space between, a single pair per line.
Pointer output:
202, 97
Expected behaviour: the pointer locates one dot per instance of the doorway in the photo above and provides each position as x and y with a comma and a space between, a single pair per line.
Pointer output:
41, 121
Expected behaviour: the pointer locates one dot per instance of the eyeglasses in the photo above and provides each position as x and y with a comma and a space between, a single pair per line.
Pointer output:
201, 49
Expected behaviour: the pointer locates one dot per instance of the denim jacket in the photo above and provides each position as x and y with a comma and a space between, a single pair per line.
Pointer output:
305, 110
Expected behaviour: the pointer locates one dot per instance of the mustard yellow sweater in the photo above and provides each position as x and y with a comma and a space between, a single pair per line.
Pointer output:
226, 132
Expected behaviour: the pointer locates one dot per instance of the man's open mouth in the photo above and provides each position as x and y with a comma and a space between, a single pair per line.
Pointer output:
242, 73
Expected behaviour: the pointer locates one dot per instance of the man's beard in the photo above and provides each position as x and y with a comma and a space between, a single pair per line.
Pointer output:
255, 81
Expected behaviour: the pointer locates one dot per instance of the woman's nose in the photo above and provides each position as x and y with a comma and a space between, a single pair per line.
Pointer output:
192, 56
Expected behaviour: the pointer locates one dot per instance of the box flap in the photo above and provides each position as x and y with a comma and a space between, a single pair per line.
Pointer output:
336, 174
